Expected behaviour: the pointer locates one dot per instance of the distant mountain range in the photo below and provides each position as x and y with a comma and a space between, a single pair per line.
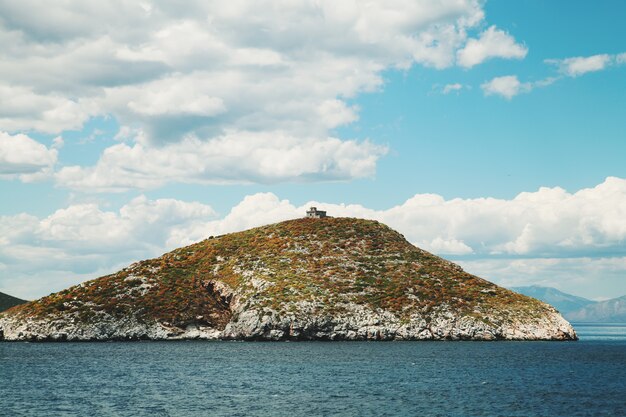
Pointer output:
612, 311
579, 309
8, 301
565, 303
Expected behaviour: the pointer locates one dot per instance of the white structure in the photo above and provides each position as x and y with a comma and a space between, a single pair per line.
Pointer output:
314, 213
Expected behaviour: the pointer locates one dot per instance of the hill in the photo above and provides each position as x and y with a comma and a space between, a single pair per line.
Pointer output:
565, 303
8, 301
579, 309
329, 279
609, 311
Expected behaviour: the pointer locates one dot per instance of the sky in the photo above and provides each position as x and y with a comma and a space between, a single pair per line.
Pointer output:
490, 133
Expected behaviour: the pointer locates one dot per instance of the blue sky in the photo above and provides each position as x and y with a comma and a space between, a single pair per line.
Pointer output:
490, 133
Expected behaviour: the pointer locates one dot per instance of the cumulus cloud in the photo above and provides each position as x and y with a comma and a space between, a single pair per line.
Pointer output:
589, 277
576, 66
82, 240
449, 88
84, 227
23, 156
507, 86
237, 157
548, 222
209, 69
58, 142
514, 242
492, 43
23, 109
579, 65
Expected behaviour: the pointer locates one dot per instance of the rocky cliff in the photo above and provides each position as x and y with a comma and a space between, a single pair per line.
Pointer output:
306, 279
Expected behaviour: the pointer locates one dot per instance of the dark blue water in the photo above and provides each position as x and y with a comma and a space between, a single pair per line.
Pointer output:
585, 378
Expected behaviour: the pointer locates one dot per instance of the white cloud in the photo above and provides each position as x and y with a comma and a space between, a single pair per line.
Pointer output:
208, 69
23, 156
71, 20
237, 157
82, 241
507, 86
448, 88
211, 103
449, 247
594, 278
492, 43
177, 102
58, 142
513, 242
84, 227
22, 109
545, 223
510, 86
580, 65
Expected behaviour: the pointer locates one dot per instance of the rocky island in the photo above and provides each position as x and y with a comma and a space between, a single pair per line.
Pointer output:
305, 279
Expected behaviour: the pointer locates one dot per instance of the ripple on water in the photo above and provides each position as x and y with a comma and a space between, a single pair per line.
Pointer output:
296, 379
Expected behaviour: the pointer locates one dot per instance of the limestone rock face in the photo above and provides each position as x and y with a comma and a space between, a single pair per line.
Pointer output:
307, 279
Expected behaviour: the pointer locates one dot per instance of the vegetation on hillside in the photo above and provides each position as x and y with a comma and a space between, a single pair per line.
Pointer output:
326, 263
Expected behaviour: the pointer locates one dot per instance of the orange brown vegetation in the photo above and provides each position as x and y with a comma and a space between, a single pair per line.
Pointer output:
329, 261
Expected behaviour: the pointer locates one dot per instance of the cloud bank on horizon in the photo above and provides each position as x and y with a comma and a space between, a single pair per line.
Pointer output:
508, 241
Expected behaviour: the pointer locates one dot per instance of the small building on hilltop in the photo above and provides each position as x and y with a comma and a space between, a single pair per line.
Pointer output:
314, 213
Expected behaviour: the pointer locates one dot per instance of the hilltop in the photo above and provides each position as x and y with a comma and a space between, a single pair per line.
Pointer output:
329, 278
7, 301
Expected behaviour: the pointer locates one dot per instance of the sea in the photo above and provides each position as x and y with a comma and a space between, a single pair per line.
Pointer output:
196, 378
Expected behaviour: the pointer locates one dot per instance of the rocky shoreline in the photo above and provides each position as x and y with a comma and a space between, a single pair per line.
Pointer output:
271, 326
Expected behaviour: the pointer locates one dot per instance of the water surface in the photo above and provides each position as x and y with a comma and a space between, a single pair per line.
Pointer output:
584, 378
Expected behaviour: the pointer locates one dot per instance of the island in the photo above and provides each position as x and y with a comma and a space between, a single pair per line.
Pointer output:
315, 278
